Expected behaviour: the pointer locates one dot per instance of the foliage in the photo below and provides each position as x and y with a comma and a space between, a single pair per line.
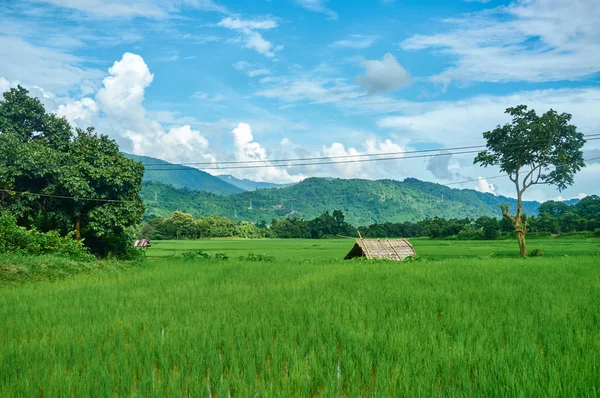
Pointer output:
363, 202
581, 216
19, 240
256, 257
536, 252
195, 255
547, 145
57, 178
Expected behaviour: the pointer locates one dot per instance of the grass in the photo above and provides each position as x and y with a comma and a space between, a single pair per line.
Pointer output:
310, 324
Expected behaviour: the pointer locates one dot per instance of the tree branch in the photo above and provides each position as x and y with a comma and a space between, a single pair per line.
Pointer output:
525, 184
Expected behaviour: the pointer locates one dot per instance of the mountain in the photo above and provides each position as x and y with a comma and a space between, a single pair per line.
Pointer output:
363, 201
248, 185
184, 177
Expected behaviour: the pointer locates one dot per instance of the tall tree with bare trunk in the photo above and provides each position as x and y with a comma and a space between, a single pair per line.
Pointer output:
533, 150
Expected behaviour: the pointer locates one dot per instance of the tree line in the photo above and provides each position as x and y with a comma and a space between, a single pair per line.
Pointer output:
553, 218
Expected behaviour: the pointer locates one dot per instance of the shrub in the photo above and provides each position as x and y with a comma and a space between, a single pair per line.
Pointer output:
19, 240
221, 256
195, 255
257, 257
536, 253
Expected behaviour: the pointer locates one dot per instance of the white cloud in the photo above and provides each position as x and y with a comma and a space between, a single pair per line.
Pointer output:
317, 6
317, 91
249, 24
258, 72
135, 8
246, 149
348, 168
46, 67
241, 65
179, 144
355, 41
384, 75
123, 90
250, 37
82, 113
484, 186
199, 95
4, 84
528, 40
462, 122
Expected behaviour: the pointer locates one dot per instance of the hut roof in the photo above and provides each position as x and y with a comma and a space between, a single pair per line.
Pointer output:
142, 243
390, 249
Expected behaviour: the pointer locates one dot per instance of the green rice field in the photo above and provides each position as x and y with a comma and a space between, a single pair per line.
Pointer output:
466, 319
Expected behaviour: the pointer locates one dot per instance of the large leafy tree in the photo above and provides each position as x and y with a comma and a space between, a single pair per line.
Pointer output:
533, 149
55, 177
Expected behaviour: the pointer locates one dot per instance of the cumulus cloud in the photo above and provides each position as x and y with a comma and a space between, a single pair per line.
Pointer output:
317, 6
484, 186
81, 113
349, 168
246, 149
384, 75
250, 37
355, 41
528, 40
123, 90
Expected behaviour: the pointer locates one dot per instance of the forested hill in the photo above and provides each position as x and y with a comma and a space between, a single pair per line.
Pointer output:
363, 201
184, 177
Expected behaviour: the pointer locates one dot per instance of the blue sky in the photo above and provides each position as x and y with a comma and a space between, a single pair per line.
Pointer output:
214, 81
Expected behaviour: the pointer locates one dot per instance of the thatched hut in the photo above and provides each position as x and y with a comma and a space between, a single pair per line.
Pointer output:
389, 249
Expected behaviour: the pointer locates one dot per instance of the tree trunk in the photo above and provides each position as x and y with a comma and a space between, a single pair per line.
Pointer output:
519, 227
78, 228
521, 239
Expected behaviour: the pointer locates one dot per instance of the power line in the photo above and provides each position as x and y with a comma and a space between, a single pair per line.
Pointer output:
315, 164
321, 163
446, 150
317, 158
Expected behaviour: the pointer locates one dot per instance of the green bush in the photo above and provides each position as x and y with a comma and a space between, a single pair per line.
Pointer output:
257, 257
221, 256
536, 253
19, 240
195, 255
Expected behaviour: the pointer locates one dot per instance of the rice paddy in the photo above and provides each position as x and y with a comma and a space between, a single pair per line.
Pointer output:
465, 320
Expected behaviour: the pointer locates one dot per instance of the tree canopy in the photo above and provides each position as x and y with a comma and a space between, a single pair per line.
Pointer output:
55, 177
532, 150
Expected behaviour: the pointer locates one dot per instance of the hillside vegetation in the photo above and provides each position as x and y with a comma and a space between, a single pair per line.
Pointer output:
363, 201
183, 177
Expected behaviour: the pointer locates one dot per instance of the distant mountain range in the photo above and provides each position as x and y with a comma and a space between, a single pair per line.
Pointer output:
248, 185
363, 201
184, 177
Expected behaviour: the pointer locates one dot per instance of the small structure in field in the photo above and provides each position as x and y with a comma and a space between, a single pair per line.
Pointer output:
388, 249
143, 243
